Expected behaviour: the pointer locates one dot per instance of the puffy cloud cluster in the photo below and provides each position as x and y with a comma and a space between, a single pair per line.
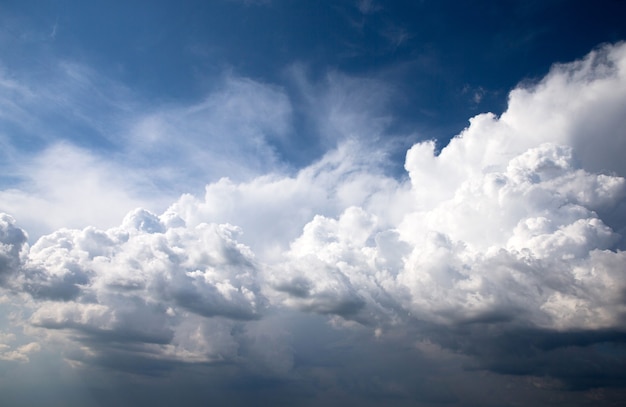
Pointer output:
153, 284
507, 223
524, 240
517, 224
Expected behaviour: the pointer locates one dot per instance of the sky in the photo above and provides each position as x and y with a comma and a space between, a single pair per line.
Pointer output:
303, 203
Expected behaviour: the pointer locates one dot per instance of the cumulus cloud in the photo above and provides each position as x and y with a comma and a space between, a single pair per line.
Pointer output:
161, 288
505, 225
511, 225
20, 354
13, 246
515, 229
272, 210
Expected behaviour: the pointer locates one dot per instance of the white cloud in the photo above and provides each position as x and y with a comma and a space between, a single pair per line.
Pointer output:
131, 154
513, 226
342, 107
145, 283
20, 354
579, 104
108, 152
505, 219
73, 187
229, 133
271, 210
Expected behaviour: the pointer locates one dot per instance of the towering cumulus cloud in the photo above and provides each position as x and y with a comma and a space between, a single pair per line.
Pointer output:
504, 249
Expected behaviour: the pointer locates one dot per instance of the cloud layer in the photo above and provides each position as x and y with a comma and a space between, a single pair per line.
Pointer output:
514, 230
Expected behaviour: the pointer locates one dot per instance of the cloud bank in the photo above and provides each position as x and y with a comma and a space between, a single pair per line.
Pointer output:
504, 248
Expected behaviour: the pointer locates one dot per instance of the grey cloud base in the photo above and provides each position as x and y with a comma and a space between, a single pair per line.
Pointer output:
501, 254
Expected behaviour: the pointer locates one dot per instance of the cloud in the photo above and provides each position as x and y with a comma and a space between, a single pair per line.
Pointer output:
86, 150
271, 210
584, 92
396, 35
341, 107
20, 354
502, 252
144, 283
231, 132
511, 227
367, 6
102, 131
73, 186
13, 246
70, 103
60, 152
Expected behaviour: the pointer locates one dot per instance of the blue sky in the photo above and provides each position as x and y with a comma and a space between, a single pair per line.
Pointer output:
304, 203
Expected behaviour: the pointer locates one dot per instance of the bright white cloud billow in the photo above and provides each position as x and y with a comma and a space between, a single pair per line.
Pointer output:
145, 282
516, 226
506, 223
